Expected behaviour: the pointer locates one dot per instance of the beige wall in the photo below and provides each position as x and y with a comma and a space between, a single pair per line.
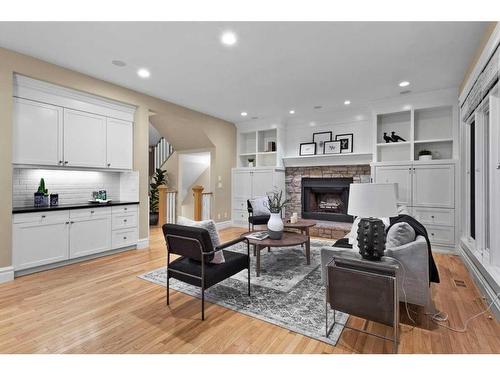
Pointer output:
484, 39
221, 133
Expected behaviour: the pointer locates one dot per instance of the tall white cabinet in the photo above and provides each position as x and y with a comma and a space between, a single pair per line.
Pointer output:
248, 183
428, 191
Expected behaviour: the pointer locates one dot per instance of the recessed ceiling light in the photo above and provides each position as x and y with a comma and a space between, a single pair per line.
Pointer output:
228, 38
244, 114
119, 63
347, 102
291, 111
143, 73
404, 84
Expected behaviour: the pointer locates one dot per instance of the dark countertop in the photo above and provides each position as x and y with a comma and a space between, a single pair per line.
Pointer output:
28, 209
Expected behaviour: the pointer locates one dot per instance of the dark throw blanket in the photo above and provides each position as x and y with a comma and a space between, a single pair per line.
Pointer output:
419, 230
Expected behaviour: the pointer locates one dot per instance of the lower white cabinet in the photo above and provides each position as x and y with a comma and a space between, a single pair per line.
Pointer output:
44, 238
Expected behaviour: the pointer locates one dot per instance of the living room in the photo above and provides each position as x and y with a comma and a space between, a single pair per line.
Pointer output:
251, 187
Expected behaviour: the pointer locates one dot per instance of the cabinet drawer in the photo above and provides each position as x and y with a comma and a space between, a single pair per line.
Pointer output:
240, 204
90, 212
434, 216
240, 216
124, 209
125, 237
41, 217
120, 221
441, 235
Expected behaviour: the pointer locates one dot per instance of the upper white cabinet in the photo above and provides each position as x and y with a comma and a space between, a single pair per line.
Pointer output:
399, 175
119, 148
55, 126
84, 139
434, 186
37, 133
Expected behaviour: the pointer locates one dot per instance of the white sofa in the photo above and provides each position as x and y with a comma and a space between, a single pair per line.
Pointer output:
414, 278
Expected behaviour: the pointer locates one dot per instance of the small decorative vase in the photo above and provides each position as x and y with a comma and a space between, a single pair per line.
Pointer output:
275, 226
54, 199
425, 157
38, 199
371, 238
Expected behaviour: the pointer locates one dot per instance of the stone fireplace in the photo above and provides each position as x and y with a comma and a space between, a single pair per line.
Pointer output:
323, 190
326, 198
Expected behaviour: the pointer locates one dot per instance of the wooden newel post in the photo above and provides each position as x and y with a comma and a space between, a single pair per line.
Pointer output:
162, 204
197, 190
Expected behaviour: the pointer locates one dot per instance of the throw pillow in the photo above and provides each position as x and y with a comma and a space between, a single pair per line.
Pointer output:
400, 234
259, 206
209, 225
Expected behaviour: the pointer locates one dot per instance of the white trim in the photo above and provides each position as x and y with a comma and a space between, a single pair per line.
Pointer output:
480, 280
328, 159
488, 50
6, 274
32, 89
143, 243
223, 224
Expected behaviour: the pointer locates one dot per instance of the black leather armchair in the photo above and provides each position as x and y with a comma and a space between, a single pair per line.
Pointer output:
255, 219
195, 249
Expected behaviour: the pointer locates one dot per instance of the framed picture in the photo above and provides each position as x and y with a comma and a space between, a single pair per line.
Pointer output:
320, 138
331, 147
346, 141
307, 149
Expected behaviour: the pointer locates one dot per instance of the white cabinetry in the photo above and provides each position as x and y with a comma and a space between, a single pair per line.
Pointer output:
119, 144
44, 238
428, 190
249, 183
40, 239
37, 133
90, 232
84, 139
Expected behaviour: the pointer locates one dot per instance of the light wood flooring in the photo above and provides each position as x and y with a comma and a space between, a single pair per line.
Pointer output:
100, 306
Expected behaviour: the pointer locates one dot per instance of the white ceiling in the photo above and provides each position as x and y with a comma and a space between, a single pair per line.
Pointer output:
273, 68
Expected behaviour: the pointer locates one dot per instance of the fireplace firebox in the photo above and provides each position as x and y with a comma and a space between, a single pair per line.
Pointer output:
326, 199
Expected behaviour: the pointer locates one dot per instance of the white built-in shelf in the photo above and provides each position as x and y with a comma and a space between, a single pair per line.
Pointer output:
353, 158
435, 140
266, 153
248, 154
392, 144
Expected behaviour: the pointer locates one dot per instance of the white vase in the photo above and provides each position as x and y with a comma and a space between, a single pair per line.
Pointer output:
425, 157
275, 226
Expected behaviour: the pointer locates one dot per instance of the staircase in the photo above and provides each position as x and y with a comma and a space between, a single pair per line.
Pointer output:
161, 152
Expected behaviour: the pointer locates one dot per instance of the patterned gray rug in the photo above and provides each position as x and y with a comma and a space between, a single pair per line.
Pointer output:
288, 293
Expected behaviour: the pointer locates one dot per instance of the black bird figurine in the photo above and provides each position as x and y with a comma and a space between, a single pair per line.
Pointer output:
387, 139
397, 138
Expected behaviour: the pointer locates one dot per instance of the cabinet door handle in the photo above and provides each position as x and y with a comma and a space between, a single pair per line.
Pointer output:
124, 238
66, 162
71, 222
92, 212
432, 216
432, 234
498, 166
125, 209
109, 164
67, 222
124, 220
60, 162
43, 216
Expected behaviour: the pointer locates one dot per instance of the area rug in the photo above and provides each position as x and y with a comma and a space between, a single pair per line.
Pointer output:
288, 293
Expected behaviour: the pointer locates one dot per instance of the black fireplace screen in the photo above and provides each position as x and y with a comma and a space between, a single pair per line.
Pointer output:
326, 199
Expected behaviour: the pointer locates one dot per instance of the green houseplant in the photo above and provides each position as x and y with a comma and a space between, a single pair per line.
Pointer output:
159, 179
42, 195
424, 155
275, 203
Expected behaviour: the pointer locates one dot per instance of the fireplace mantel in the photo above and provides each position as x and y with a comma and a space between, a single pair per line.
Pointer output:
353, 158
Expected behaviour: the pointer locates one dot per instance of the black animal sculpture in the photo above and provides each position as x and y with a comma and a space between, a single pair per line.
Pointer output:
397, 138
387, 139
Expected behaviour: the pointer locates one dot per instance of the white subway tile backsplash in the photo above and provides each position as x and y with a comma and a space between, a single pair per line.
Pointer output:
72, 186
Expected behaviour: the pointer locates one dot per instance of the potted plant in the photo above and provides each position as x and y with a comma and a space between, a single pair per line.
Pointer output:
42, 195
159, 179
275, 203
251, 162
424, 155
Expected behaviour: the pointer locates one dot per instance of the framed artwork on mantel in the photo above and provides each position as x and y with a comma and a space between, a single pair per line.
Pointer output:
307, 149
320, 139
332, 147
346, 141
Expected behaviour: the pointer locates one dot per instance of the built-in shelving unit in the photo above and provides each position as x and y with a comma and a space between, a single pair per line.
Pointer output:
259, 146
422, 129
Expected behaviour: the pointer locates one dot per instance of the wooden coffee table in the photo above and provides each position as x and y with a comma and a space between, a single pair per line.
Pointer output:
302, 224
288, 239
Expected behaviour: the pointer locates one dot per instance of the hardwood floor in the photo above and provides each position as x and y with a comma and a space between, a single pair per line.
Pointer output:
100, 306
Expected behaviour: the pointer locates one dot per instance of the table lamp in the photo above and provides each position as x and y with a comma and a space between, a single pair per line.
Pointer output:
371, 202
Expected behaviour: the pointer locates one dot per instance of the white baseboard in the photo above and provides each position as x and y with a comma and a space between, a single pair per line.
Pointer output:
143, 243
223, 225
6, 274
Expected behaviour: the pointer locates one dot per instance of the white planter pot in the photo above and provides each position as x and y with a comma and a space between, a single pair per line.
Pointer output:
275, 226
425, 157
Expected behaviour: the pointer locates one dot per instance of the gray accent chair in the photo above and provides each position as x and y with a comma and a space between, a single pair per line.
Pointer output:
413, 277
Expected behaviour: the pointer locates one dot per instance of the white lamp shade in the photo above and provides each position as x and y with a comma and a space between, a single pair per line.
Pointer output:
372, 200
